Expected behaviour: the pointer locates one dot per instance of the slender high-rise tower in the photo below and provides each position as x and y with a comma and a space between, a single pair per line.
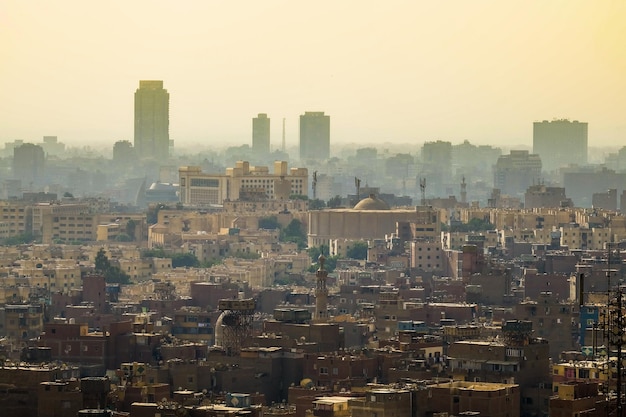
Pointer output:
152, 121
261, 134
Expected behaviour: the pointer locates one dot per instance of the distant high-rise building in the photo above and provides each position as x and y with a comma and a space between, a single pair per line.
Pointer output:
261, 134
514, 173
123, 154
52, 146
437, 167
560, 143
152, 120
314, 135
28, 164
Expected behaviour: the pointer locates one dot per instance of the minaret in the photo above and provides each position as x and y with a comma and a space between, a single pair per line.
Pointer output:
321, 293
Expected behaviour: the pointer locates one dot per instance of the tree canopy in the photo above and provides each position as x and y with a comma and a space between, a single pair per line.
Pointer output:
112, 274
316, 204
294, 232
269, 223
474, 225
315, 252
334, 202
358, 250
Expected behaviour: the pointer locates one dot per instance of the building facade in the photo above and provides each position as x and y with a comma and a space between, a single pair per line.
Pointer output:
314, 135
437, 166
152, 108
29, 164
560, 143
514, 173
242, 182
261, 134
370, 220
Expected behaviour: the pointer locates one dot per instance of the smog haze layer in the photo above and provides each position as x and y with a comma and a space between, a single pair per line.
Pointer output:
398, 71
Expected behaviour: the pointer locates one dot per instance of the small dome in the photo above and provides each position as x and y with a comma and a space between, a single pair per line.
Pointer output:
371, 203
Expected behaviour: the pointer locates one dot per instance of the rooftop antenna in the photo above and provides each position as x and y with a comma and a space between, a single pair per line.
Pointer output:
357, 184
423, 190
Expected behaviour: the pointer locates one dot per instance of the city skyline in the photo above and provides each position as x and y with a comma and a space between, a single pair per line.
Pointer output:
400, 72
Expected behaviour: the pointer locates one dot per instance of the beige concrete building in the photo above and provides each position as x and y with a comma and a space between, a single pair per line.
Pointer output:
470, 398
143, 268
77, 222
59, 275
16, 218
427, 255
242, 182
456, 240
371, 219
539, 195
575, 236
23, 321
68, 222
382, 401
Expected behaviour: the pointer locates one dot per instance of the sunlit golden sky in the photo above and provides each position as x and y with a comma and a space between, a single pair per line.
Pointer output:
397, 71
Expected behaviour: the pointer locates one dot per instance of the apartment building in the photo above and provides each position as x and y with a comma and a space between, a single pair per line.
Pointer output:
241, 182
16, 218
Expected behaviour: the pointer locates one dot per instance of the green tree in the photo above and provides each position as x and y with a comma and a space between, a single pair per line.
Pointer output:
102, 261
294, 232
209, 263
115, 276
334, 202
112, 274
316, 204
315, 252
184, 259
131, 226
269, 223
152, 215
19, 239
294, 228
330, 264
123, 237
298, 197
358, 250
474, 225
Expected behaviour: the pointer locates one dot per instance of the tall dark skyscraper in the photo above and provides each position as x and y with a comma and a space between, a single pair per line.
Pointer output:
28, 164
560, 143
261, 134
314, 136
152, 121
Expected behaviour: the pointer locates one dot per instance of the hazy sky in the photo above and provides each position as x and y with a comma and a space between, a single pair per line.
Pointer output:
401, 71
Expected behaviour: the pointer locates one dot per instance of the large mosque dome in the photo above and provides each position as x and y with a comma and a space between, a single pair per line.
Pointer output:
371, 203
